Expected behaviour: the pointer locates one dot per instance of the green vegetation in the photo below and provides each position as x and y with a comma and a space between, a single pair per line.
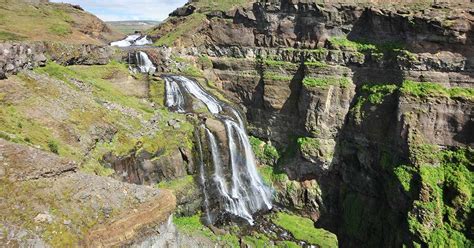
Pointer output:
188, 26
277, 76
53, 146
179, 186
308, 143
60, 29
205, 62
265, 153
270, 175
45, 21
364, 46
405, 176
282, 64
428, 89
212, 5
440, 220
303, 229
10, 36
192, 226
315, 64
376, 93
325, 82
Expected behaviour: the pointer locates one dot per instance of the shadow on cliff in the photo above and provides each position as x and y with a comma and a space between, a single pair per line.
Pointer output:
371, 206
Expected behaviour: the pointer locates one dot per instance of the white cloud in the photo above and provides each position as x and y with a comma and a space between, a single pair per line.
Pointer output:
115, 10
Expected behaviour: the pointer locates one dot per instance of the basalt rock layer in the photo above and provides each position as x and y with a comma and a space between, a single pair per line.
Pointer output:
373, 98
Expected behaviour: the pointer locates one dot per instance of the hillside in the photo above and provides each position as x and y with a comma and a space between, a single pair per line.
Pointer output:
128, 27
44, 21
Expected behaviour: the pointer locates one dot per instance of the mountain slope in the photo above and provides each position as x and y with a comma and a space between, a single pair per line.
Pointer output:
45, 21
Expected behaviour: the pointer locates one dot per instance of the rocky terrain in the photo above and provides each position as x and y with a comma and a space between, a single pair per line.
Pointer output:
369, 105
361, 118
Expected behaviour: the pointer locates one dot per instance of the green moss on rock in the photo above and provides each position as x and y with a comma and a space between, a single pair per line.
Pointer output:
303, 229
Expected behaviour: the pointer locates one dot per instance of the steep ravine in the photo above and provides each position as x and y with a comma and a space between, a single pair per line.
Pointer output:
370, 107
360, 118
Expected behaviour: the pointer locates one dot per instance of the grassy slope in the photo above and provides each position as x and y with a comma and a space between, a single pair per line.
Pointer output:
61, 117
51, 21
175, 29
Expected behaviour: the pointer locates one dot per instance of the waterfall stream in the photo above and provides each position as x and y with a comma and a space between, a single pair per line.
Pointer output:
143, 63
232, 184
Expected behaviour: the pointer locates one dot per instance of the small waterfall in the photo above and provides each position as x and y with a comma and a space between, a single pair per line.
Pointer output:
174, 97
132, 40
203, 181
240, 190
144, 63
143, 41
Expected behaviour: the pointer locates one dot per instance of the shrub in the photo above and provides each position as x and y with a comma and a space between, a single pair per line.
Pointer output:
53, 146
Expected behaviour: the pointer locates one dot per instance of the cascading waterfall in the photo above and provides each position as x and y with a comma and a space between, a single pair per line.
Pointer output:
132, 40
240, 190
144, 63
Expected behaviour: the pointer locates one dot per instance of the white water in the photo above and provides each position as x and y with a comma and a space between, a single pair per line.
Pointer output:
174, 96
245, 193
203, 183
132, 40
143, 41
190, 86
144, 63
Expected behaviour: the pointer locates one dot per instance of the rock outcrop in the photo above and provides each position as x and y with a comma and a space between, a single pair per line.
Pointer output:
364, 93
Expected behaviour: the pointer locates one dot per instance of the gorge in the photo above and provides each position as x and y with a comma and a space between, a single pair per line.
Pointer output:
273, 123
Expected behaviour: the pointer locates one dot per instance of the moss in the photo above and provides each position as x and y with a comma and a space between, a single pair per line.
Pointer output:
287, 244
178, 185
353, 213
192, 226
280, 64
376, 93
315, 64
303, 229
405, 176
439, 220
256, 240
277, 76
265, 153
428, 89
325, 82
308, 143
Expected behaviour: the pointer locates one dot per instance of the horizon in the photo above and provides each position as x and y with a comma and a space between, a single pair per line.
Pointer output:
128, 10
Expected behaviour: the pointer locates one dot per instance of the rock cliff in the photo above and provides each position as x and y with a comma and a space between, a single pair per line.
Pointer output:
370, 105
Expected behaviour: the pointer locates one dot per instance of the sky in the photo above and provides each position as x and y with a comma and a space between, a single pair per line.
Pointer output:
120, 10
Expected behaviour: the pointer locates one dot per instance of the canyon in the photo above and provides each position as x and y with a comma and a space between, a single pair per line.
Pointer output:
359, 116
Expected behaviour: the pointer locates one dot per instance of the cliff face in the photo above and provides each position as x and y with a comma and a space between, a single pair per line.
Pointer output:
377, 100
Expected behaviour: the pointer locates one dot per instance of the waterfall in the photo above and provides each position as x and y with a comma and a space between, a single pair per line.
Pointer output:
132, 40
202, 176
235, 183
144, 63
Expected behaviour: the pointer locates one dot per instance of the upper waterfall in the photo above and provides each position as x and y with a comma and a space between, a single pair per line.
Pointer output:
233, 180
132, 40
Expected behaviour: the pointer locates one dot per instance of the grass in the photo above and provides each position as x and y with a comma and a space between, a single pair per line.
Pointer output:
187, 27
191, 225
277, 76
97, 77
45, 21
281, 64
7, 36
326, 82
429, 89
317, 64
303, 229
60, 29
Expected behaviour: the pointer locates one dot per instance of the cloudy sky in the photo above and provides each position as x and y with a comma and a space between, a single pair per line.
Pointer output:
116, 10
